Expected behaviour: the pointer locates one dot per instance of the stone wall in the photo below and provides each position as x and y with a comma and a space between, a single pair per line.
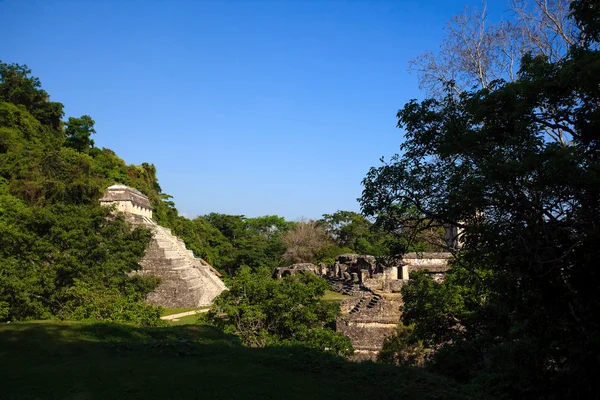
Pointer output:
354, 267
300, 268
371, 318
433, 262
129, 208
387, 273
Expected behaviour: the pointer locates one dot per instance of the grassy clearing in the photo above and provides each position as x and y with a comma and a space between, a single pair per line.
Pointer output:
330, 295
187, 320
68, 360
171, 311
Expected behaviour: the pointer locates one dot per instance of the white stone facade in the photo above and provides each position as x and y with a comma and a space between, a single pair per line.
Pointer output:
127, 200
128, 207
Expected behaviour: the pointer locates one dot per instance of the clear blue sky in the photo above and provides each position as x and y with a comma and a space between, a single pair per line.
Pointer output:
244, 107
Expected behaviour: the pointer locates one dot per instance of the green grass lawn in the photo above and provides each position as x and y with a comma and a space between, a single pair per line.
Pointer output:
330, 295
69, 360
187, 320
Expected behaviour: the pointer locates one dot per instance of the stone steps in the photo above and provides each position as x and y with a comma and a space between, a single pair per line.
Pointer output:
371, 300
171, 259
358, 306
374, 301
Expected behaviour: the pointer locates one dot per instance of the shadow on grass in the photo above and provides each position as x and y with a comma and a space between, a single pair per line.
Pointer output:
69, 360
58, 337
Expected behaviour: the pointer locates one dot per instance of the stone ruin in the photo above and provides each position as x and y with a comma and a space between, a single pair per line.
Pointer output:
354, 267
375, 283
127, 200
186, 281
388, 273
300, 268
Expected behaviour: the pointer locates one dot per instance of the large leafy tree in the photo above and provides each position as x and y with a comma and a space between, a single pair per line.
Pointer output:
263, 311
529, 210
254, 242
78, 132
354, 233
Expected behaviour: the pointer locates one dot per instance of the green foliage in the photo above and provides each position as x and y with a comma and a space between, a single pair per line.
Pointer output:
263, 311
241, 241
403, 348
354, 233
45, 251
442, 310
78, 132
519, 312
17, 87
86, 302
324, 340
348, 228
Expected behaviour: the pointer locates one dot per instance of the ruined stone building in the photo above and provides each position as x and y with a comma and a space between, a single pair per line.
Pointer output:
375, 282
186, 281
300, 268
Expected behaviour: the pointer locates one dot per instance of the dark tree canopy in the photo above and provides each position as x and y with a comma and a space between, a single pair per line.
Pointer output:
519, 310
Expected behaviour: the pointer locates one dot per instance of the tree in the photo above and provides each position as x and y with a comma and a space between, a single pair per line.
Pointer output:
18, 88
78, 132
263, 311
401, 348
353, 232
269, 226
476, 53
254, 242
529, 209
304, 242
347, 228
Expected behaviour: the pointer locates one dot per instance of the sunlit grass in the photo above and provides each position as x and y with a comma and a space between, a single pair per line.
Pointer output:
330, 295
187, 320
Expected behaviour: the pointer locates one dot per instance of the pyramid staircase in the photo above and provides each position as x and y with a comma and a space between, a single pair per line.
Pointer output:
370, 300
374, 300
187, 281
359, 305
